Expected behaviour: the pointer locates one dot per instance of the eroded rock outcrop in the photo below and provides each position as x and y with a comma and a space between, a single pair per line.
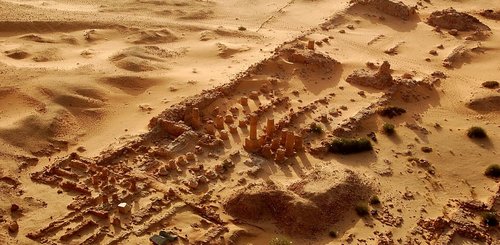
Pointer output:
396, 9
382, 79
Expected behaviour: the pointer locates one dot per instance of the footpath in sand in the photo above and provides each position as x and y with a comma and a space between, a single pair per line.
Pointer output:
230, 122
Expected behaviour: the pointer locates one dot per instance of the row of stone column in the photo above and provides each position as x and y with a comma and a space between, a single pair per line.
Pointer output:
270, 146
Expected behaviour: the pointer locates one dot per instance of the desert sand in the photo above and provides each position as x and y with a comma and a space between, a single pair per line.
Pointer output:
249, 122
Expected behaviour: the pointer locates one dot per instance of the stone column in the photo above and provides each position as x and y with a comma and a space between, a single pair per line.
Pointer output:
223, 135
299, 143
280, 155
275, 144
210, 128
310, 45
195, 118
252, 144
219, 122
233, 129
266, 151
253, 127
244, 101
284, 133
242, 123
229, 119
289, 144
270, 127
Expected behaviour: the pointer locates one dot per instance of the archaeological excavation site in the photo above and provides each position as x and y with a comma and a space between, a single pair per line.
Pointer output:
279, 122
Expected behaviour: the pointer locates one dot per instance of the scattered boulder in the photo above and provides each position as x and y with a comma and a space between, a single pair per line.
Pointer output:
14, 208
452, 19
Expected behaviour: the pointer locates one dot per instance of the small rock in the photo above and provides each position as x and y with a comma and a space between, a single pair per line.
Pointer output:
426, 149
491, 84
13, 227
14, 208
453, 32
372, 136
408, 196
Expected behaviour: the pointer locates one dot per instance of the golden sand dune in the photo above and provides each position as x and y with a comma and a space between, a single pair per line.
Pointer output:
249, 122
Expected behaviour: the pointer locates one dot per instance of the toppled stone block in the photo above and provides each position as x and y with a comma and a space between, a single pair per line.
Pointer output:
124, 208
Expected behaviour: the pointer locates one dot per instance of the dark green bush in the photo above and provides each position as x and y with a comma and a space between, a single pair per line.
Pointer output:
490, 219
374, 200
362, 209
391, 111
349, 146
315, 128
476, 132
389, 129
493, 171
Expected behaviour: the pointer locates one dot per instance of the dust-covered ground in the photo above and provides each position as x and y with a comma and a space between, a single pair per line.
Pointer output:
249, 122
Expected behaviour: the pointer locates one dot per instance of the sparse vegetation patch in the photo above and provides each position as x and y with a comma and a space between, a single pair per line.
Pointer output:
362, 209
349, 146
476, 133
374, 200
490, 219
493, 171
315, 128
391, 111
388, 128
